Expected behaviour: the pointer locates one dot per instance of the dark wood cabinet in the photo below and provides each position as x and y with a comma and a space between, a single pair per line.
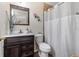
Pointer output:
20, 46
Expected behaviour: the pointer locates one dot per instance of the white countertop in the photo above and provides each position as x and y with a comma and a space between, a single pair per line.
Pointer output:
15, 35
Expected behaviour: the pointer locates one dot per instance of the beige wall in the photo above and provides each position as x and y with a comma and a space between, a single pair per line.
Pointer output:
35, 26
4, 9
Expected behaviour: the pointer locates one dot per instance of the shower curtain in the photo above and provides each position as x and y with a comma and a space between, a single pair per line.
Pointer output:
62, 30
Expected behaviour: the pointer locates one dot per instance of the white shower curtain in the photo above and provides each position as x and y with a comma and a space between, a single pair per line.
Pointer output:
62, 32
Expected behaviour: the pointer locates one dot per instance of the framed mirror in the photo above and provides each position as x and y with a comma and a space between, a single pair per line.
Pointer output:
19, 15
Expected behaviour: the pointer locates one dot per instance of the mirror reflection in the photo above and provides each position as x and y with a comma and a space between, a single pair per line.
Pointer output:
19, 15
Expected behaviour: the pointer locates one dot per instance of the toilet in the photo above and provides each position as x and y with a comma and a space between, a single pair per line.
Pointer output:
44, 48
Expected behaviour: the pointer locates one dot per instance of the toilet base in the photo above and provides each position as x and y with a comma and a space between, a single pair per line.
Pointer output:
43, 54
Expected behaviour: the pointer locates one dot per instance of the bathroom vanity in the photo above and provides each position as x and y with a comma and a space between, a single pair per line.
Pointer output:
19, 45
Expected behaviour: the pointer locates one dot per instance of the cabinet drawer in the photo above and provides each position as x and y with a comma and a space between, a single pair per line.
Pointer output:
17, 39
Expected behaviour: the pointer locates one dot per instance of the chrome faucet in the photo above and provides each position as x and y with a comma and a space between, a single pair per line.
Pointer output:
20, 31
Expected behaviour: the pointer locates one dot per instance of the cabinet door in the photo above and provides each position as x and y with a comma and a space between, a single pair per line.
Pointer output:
27, 50
12, 51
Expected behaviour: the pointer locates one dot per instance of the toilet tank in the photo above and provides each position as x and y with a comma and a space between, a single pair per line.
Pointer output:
39, 38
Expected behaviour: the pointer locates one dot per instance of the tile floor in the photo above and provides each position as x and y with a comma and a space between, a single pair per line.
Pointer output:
36, 55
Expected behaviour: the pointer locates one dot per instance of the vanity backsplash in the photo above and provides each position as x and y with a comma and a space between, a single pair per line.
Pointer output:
21, 29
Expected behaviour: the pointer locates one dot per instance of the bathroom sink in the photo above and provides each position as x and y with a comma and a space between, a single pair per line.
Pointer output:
22, 34
18, 33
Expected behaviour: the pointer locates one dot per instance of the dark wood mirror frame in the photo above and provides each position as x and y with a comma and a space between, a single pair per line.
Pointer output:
18, 8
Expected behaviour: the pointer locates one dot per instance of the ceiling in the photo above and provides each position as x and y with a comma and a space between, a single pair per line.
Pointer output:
52, 3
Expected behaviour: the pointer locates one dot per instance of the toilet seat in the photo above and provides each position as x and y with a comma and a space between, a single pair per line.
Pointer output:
44, 47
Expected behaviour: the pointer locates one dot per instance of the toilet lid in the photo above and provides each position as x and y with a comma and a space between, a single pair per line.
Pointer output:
44, 46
